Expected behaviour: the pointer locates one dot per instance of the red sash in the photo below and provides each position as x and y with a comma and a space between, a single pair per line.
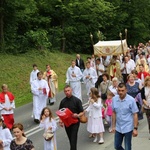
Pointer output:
8, 120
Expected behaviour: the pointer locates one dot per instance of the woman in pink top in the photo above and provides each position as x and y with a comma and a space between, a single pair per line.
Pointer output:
108, 110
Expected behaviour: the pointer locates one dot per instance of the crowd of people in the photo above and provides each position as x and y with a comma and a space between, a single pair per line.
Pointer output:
118, 91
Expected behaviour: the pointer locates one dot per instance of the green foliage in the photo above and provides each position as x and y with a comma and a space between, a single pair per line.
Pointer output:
66, 24
133, 15
38, 39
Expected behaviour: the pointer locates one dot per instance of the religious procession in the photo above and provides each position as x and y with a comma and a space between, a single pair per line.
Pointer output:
117, 87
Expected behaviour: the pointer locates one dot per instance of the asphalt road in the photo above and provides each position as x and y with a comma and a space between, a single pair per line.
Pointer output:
23, 115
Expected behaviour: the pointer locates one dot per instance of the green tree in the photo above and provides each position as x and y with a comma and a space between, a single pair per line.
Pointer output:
1, 25
133, 15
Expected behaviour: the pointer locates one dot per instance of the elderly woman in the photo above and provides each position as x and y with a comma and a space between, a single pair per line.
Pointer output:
146, 68
135, 75
113, 87
103, 88
145, 93
132, 86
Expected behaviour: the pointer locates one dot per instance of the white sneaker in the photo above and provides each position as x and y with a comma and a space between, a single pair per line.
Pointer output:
101, 141
95, 139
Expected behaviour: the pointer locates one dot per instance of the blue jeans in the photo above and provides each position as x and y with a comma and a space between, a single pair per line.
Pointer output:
119, 139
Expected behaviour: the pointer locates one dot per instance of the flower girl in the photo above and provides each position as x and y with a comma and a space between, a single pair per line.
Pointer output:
49, 124
95, 122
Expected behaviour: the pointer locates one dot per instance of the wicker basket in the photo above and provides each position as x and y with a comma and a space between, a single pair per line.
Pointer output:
48, 136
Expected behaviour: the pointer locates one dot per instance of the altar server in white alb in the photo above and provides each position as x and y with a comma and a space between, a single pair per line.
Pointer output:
74, 76
89, 77
5, 136
33, 74
40, 90
7, 106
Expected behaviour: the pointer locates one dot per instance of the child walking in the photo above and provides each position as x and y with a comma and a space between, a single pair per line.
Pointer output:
95, 122
5, 136
108, 110
49, 124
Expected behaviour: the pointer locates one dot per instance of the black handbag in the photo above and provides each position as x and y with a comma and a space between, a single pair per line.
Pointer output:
104, 95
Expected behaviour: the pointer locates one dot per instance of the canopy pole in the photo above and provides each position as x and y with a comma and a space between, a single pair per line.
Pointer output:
122, 50
126, 34
121, 44
99, 35
91, 36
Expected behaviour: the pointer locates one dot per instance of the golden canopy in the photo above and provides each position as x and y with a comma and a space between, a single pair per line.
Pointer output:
104, 48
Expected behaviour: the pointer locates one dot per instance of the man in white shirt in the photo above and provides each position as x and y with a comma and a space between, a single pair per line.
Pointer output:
106, 61
100, 70
33, 74
131, 61
73, 77
89, 77
126, 68
99, 67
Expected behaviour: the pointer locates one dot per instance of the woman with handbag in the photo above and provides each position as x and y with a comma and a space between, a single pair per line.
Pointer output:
49, 124
145, 94
95, 122
104, 85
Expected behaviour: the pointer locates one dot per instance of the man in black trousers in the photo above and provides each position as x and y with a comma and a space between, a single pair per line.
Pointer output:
74, 105
80, 64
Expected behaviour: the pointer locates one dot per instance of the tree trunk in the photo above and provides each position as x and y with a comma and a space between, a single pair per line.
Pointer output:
63, 39
1, 26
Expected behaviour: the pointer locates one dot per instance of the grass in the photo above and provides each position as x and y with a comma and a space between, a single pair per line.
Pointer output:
16, 69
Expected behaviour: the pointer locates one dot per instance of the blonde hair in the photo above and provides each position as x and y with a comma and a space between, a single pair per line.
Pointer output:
4, 85
130, 76
146, 80
95, 93
87, 62
115, 79
110, 93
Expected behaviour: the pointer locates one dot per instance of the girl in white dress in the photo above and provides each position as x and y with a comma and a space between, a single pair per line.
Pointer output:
48, 123
5, 136
95, 122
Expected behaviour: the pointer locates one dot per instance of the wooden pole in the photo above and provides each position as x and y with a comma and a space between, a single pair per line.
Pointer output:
91, 36
126, 34
99, 35
121, 44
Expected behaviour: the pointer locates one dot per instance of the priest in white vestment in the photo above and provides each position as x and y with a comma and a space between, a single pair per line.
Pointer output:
52, 79
40, 90
89, 77
74, 76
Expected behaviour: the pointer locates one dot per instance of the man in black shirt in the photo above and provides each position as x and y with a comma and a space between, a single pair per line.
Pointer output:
75, 105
